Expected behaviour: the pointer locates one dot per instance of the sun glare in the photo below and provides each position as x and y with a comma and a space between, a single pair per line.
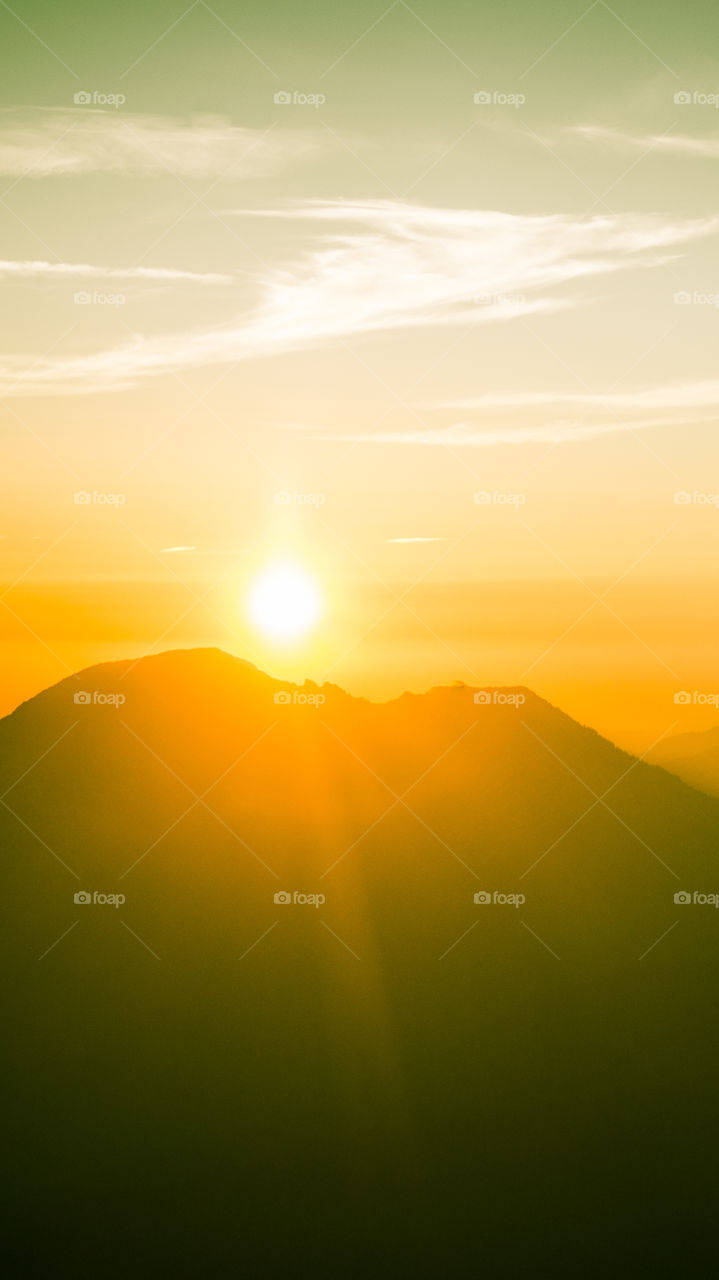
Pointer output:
284, 602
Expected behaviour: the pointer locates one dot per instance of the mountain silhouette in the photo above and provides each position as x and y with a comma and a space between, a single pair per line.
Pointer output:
693, 757
281, 961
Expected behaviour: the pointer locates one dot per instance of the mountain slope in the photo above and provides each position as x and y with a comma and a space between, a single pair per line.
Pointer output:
239, 1076
497, 789
693, 757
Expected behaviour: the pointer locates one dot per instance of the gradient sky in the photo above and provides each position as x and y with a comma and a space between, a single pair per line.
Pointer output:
380, 302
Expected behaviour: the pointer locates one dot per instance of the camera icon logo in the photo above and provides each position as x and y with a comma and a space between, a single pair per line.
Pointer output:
683, 698
682, 498
82, 498
82, 897
283, 498
283, 898
82, 699
82, 98
82, 298
482, 698
282, 698
483, 98
283, 97
682, 98
682, 898
483, 898
683, 298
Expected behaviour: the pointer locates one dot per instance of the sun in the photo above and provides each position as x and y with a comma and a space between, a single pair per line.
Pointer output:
284, 602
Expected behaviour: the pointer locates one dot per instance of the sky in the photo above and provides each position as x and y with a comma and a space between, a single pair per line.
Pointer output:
422, 298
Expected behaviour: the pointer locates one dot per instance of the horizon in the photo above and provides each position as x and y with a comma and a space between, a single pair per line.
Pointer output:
632, 742
132, 663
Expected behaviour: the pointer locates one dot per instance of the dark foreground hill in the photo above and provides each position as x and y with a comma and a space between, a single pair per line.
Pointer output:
282, 1035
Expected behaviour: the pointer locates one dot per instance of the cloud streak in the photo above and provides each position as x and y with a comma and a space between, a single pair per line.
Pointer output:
550, 417
44, 144
669, 143
361, 268
31, 269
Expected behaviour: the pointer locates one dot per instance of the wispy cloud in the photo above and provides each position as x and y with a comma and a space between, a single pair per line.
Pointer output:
43, 144
379, 266
683, 395
549, 417
669, 143
30, 269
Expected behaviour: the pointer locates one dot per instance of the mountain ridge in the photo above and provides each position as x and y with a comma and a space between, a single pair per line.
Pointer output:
123, 667
515, 789
429, 937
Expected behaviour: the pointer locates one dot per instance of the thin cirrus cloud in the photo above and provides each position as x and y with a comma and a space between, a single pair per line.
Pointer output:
30, 269
44, 144
552, 418
359, 268
670, 143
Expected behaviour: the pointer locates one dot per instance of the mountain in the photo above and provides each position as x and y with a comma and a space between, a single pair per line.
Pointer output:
693, 757
281, 1034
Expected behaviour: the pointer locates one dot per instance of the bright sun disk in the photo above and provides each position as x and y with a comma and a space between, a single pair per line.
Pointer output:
284, 602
